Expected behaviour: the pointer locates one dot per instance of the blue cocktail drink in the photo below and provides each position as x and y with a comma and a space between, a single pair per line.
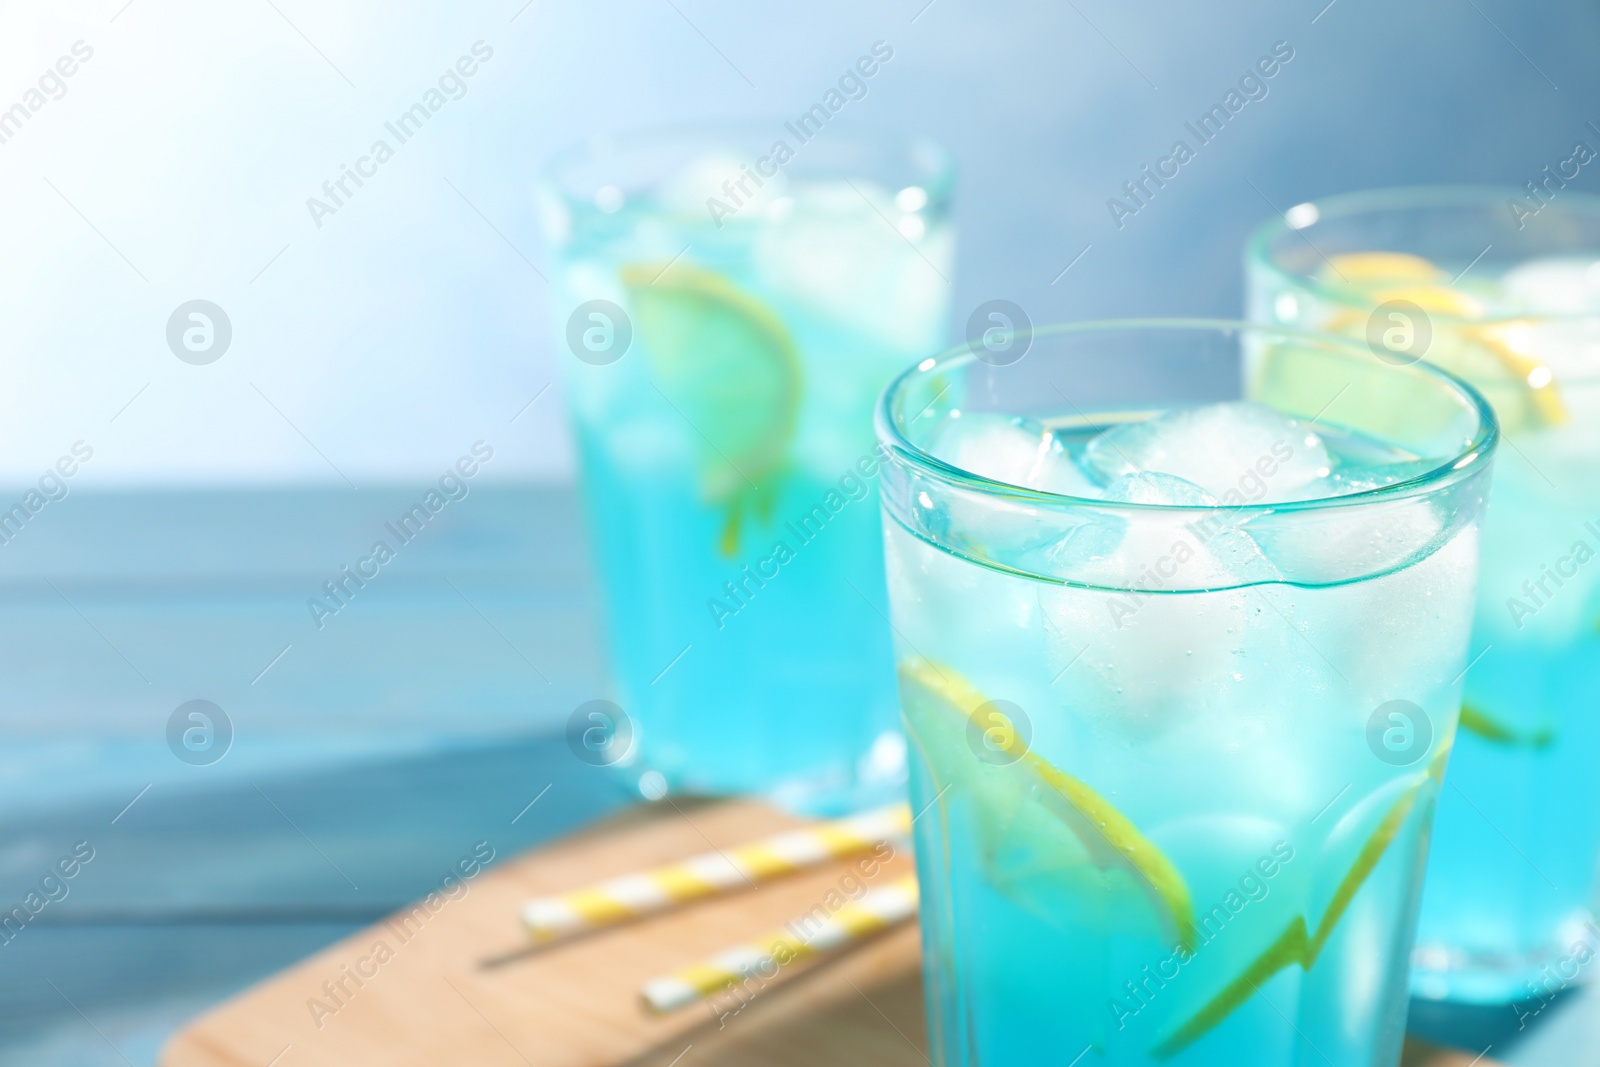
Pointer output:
1509, 298
731, 316
1181, 611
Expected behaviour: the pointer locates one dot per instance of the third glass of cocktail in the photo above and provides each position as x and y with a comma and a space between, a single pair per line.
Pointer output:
1503, 289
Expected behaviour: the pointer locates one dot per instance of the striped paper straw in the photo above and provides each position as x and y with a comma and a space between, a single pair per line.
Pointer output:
637, 895
878, 910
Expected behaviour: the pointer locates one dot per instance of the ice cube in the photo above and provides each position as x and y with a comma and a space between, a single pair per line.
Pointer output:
1240, 452
1226, 553
1337, 544
1359, 478
1160, 551
1061, 475
715, 178
1564, 285
1013, 450
1136, 664
1009, 449
1369, 627
1150, 487
856, 259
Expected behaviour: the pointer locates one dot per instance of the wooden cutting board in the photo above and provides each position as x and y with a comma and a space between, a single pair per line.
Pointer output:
456, 984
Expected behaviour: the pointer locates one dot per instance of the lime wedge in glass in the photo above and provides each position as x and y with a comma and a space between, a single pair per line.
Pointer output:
725, 361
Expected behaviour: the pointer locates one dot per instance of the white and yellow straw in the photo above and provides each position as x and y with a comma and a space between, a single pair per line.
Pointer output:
877, 910
633, 896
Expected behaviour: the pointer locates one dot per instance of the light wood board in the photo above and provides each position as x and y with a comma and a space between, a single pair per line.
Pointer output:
457, 985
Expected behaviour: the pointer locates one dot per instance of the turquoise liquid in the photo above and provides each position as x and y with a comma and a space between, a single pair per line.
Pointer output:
1511, 883
743, 589
1510, 888
1230, 728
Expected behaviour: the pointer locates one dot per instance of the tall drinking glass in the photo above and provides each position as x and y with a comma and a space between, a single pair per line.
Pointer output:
1503, 289
1181, 612
733, 302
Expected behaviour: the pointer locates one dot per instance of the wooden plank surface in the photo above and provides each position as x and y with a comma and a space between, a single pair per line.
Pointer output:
456, 984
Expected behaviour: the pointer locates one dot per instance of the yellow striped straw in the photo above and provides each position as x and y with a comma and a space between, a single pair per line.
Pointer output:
633, 896
877, 910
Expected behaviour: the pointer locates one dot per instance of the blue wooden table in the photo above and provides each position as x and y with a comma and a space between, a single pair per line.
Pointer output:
367, 755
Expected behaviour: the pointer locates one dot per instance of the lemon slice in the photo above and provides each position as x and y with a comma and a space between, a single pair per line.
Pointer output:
1363, 268
1534, 382
1438, 299
1017, 797
1301, 943
1481, 724
1524, 390
726, 362
1518, 381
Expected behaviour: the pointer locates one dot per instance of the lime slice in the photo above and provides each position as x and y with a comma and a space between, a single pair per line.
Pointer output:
1479, 723
726, 362
1070, 827
1299, 943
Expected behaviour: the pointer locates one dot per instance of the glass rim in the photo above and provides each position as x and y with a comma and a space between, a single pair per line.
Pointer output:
734, 131
1464, 462
1400, 198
